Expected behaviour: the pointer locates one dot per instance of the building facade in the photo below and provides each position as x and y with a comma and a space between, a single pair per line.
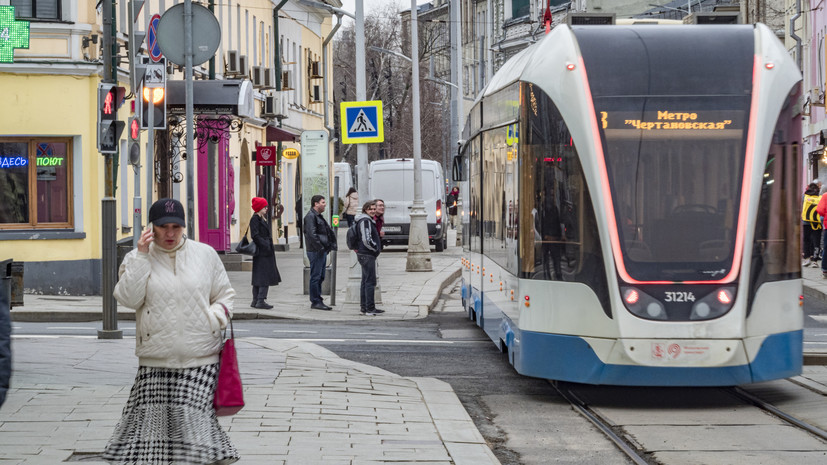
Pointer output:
52, 178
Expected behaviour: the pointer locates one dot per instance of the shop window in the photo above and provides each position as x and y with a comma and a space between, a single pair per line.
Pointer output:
35, 183
37, 9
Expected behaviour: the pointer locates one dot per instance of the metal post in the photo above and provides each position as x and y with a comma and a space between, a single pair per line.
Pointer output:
108, 224
137, 227
419, 252
354, 279
150, 149
189, 115
334, 211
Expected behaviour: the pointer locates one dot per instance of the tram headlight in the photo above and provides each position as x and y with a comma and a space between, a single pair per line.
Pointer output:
642, 304
714, 304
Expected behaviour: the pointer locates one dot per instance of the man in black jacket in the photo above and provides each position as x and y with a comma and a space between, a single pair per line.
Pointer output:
319, 239
370, 245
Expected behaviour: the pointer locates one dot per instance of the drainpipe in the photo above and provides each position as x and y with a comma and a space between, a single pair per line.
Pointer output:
324, 71
277, 53
794, 36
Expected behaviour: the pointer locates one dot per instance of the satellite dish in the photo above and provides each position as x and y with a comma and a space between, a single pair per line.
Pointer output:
206, 34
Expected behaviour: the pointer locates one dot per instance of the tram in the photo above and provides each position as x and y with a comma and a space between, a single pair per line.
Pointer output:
631, 211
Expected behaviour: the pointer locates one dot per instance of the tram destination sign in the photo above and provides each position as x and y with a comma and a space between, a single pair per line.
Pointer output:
671, 121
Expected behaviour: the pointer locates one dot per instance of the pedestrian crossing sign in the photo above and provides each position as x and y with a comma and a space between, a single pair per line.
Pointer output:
361, 122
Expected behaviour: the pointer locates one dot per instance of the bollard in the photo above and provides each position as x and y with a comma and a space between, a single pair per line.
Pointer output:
16, 274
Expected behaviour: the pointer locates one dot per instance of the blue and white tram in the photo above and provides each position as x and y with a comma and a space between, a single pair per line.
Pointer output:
632, 203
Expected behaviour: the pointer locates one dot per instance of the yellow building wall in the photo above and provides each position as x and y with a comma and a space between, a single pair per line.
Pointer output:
58, 106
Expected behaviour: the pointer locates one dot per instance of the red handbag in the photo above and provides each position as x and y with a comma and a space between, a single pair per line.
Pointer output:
229, 395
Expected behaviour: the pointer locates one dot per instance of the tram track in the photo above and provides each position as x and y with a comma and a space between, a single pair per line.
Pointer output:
666, 426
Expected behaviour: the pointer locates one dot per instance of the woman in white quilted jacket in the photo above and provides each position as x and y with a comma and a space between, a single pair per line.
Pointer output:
182, 299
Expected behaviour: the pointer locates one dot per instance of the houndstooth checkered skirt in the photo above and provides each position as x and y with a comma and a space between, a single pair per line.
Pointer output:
169, 418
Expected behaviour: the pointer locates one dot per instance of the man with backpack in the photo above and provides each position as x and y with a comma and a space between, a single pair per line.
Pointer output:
363, 238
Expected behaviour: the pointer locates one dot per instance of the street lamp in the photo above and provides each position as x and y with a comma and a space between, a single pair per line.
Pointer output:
419, 252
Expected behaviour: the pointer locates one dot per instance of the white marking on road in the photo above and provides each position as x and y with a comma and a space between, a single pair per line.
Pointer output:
379, 341
819, 318
69, 327
375, 334
294, 331
820, 343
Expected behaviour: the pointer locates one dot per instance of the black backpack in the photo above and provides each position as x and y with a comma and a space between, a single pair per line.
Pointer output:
352, 237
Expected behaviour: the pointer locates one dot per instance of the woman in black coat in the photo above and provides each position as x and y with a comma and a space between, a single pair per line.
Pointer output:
265, 271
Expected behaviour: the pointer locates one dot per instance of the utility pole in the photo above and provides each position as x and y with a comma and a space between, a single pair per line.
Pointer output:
419, 252
108, 207
354, 278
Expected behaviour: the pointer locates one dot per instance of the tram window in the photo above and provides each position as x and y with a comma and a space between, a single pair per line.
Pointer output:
674, 167
558, 231
776, 251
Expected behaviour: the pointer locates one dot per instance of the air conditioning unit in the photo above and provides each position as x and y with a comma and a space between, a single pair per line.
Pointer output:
590, 19
232, 62
268, 78
316, 94
287, 80
275, 106
315, 70
258, 77
243, 67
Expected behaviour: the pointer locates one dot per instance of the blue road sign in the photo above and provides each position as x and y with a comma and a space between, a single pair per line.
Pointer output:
362, 122
152, 39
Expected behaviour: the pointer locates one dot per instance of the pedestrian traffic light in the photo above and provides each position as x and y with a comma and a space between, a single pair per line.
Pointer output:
155, 98
134, 141
110, 99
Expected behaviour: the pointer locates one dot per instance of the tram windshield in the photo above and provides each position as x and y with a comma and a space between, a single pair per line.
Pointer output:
675, 167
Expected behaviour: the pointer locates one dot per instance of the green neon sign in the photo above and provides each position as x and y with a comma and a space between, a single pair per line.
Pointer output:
13, 34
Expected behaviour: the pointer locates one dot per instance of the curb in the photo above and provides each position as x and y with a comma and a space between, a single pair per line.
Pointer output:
426, 303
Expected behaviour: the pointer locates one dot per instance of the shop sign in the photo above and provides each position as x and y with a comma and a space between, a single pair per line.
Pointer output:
13, 162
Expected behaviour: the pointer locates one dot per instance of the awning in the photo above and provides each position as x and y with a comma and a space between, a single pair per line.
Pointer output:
219, 97
275, 134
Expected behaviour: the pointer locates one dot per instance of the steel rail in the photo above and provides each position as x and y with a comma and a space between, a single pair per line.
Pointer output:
603, 426
752, 399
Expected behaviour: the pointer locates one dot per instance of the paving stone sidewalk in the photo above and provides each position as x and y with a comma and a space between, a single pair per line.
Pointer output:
304, 406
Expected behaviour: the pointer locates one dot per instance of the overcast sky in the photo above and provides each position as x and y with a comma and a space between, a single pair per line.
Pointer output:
372, 5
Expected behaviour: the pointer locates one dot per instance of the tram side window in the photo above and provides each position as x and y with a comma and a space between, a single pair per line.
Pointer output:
495, 199
776, 251
558, 230
473, 234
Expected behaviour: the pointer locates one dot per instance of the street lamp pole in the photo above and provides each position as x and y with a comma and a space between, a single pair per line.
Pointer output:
419, 252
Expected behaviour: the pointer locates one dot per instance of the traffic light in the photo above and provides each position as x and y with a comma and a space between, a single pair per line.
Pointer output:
155, 98
134, 141
110, 99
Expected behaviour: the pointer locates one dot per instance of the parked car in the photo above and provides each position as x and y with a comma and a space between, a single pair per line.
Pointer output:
392, 181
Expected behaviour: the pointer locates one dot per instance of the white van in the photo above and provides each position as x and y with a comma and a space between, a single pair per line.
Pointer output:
392, 181
344, 172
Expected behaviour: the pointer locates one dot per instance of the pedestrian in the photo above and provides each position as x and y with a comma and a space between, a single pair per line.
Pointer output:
370, 245
379, 218
265, 270
452, 199
351, 206
811, 226
182, 299
319, 239
299, 223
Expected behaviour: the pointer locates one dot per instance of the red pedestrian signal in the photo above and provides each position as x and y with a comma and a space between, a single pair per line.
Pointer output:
134, 129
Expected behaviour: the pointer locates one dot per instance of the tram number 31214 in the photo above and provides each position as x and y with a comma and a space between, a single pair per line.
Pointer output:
679, 296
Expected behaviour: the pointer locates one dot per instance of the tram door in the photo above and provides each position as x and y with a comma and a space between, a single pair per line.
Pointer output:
215, 200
